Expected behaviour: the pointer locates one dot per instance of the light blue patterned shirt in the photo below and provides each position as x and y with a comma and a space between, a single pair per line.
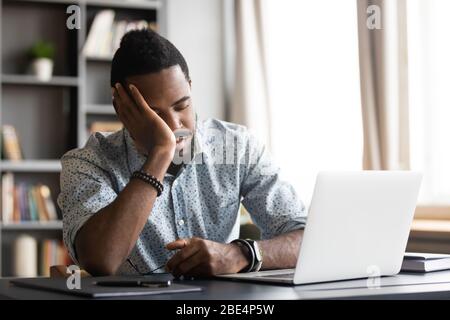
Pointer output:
229, 166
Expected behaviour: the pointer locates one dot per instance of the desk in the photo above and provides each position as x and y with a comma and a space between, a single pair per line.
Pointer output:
434, 285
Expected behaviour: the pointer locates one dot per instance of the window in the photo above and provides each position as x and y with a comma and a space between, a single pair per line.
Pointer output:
429, 97
313, 70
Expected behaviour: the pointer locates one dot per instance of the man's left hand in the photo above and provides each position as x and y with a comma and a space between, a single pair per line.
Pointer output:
200, 257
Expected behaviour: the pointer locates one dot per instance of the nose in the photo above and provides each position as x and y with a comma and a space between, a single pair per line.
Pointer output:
173, 121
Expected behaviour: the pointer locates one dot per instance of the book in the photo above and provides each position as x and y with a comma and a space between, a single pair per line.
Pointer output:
7, 197
48, 202
40, 204
102, 24
425, 262
24, 205
25, 202
1, 201
153, 26
11, 147
105, 34
16, 199
52, 252
119, 31
34, 215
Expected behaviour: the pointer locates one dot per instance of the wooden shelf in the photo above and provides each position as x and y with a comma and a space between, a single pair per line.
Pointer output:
98, 59
149, 4
130, 4
429, 235
49, 1
32, 225
100, 109
431, 226
32, 80
31, 166
430, 230
52, 117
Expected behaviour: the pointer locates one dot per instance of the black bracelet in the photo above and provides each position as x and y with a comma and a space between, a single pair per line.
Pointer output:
242, 242
150, 180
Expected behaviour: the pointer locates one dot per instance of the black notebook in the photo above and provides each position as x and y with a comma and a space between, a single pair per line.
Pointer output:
90, 289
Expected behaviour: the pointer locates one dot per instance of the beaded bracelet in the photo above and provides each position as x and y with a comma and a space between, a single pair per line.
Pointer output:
150, 180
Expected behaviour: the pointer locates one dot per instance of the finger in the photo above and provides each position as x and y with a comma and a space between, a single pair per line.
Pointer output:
115, 106
139, 99
117, 101
115, 94
125, 99
123, 116
121, 112
181, 256
178, 244
186, 267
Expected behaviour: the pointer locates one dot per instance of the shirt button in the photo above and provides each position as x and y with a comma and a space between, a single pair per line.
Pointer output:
180, 222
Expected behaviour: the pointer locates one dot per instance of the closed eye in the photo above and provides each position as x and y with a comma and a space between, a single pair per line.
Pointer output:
182, 107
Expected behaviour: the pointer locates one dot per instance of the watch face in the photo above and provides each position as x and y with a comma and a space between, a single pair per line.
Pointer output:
257, 251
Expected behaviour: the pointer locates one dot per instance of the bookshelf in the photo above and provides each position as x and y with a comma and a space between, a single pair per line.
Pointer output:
52, 117
30, 225
31, 166
31, 80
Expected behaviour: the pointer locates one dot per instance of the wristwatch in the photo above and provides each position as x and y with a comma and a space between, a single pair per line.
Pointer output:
257, 254
248, 249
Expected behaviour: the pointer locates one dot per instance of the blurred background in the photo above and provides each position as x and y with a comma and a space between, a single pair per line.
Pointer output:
327, 85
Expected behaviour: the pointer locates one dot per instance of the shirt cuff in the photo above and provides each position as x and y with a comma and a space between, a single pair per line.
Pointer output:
291, 225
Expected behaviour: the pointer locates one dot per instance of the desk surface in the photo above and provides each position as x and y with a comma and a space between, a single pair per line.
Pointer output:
434, 285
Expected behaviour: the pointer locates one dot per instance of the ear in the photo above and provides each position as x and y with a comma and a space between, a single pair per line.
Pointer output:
190, 84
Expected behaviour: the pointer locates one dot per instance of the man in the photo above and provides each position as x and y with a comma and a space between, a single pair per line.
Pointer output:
129, 207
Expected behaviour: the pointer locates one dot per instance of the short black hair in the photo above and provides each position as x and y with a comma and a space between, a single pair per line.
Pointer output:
144, 51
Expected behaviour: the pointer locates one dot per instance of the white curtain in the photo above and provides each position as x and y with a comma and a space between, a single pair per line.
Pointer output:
384, 83
250, 102
320, 87
313, 76
429, 81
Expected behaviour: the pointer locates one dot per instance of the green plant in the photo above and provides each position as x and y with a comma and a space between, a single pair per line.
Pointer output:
42, 49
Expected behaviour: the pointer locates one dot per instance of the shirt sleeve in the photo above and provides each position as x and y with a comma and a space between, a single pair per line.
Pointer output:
85, 189
271, 201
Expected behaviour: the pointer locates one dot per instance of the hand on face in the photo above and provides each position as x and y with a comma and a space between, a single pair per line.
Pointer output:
140, 120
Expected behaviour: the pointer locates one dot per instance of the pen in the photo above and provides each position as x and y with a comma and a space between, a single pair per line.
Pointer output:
135, 283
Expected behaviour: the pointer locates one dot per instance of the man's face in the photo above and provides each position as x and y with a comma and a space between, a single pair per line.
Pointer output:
168, 93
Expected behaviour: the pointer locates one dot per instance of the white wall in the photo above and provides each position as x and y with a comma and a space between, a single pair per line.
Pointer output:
195, 28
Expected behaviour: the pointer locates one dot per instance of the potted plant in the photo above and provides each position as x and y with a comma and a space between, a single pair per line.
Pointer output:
41, 55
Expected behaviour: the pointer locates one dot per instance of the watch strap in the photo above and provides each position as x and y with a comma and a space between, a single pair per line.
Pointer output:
258, 257
246, 244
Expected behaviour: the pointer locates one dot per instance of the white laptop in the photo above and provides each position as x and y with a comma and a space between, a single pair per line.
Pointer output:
358, 226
